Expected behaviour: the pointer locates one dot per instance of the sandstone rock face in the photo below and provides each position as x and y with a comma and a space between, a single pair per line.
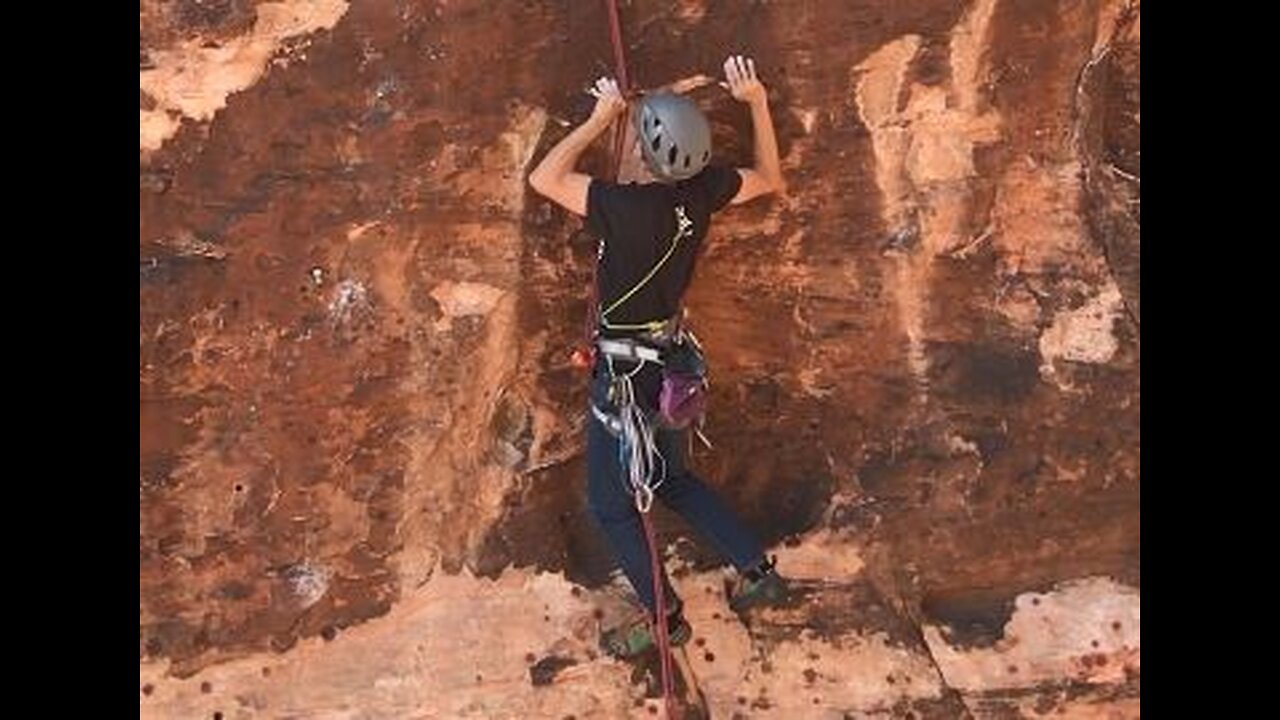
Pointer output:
361, 488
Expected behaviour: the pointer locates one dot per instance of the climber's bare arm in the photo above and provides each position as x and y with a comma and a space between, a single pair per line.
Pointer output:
554, 177
766, 176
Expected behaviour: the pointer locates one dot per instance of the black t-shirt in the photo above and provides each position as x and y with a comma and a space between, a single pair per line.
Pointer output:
637, 225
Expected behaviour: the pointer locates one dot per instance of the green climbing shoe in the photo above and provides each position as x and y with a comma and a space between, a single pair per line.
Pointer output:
636, 637
765, 589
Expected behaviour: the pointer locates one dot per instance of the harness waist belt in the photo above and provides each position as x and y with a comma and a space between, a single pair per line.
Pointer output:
629, 350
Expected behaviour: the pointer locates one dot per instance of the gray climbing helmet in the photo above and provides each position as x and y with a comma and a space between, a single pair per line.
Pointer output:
674, 136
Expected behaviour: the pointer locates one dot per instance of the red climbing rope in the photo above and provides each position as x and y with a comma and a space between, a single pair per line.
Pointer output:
584, 356
659, 595
655, 563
